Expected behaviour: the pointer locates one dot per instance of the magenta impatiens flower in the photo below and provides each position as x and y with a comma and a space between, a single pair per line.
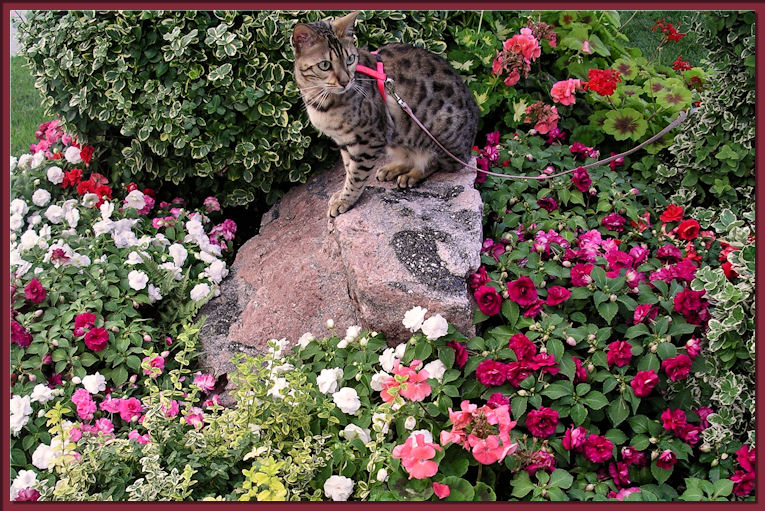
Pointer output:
460, 353
574, 439
82, 322
416, 455
580, 274
491, 373
542, 422
97, 338
34, 291
644, 313
488, 299
614, 222
581, 179
644, 382
598, 448
523, 347
677, 367
619, 353
130, 408
20, 335
522, 291
743, 483
666, 459
557, 295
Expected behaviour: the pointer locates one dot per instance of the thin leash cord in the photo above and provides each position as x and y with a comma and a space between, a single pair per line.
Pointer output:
682, 117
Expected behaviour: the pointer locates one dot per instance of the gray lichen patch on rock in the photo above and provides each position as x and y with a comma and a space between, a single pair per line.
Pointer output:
417, 251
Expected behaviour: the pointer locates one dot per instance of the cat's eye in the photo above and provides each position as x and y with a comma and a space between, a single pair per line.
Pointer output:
350, 59
324, 65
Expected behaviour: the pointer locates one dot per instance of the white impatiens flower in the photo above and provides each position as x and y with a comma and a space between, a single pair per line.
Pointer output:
135, 200
28, 239
154, 294
24, 161
106, 209
14, 163
427, 435
94, 383
435, 327
72, 217
352, 431
172, 268
382, 475
305, 339
178, 252
216, 272
352, 333
347, 399
377, 380
17, 222
19, 207
37, 160
413, 318
390, 355
328, 379
34, 219
195, 229
338, 488
41, 197
89, 200
21, 409
54, 214
410, 423
200, 292
72, 154
41, 394
137, 279
24, 479
134, 258
45, 454
102, 227
276, 390
55, 175
435, 369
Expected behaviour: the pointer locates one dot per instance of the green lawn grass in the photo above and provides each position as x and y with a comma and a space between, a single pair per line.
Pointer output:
26, 111
637, 26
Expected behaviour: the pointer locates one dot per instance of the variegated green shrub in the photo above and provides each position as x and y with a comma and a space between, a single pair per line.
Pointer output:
206, 98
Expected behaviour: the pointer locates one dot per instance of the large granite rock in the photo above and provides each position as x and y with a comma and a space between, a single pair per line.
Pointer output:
393, 250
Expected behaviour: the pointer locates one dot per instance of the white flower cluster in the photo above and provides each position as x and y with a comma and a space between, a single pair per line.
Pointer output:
434, 327
338, 488
21, 409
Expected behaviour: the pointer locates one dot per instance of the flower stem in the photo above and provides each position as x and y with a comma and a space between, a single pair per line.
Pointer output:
424, 410
480, 470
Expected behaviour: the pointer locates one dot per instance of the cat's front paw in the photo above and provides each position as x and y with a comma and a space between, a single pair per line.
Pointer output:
337, 205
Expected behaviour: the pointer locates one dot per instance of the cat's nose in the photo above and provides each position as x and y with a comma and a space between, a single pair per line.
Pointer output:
343, 83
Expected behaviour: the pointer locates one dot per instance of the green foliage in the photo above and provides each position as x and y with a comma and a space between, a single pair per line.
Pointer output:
27, 113
206, 98
712, 160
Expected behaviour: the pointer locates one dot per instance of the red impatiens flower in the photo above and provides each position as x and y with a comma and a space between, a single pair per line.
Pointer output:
491, 373
688, 229
619, 353
614, 222
645, 312
743, 483
460, 353
644, 382
580, 274
598, 448
97, 338
522, 291
677, 367
542, 423
557, 295
20, 335
672, 214
548, 204
666, 459
72, 178
581, 179
86, 153
488, 299
524, 349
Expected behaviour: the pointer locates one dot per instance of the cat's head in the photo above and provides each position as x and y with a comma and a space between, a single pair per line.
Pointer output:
325, 54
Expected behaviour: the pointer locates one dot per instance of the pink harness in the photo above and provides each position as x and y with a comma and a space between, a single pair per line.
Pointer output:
378, 74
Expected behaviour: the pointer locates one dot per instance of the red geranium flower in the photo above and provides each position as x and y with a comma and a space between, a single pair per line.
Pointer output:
688, 229
602, 81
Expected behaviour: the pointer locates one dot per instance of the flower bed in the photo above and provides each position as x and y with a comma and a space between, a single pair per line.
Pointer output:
614, 358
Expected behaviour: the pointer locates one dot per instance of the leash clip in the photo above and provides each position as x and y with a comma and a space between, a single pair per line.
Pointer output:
390, 86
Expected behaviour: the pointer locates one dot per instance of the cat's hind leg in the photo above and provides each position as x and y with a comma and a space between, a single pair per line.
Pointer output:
423, 163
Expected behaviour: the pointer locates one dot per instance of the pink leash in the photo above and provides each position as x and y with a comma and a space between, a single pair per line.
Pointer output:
383, 82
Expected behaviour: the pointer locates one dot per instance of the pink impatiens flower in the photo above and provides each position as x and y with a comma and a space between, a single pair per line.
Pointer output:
205, 382
195, 417
141, 439
412, 385
130, 408
416, 455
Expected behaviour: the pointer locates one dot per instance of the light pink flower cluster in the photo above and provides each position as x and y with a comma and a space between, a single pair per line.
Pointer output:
225, 230
155, 366
411, 384
205, 382
484, 431
85, 404
544, 117
416, 455
563, 91
516, 56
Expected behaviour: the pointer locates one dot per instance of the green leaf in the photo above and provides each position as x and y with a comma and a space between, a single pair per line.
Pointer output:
484, 493
666, 350
558, 390
510, 311
595, 400
608, 310
560, 479
521, 484
87, 359
119, 376
578, 413
618, 411
459, 489
660, 474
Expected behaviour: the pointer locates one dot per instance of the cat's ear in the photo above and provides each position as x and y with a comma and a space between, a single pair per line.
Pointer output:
303, 37
344, 26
